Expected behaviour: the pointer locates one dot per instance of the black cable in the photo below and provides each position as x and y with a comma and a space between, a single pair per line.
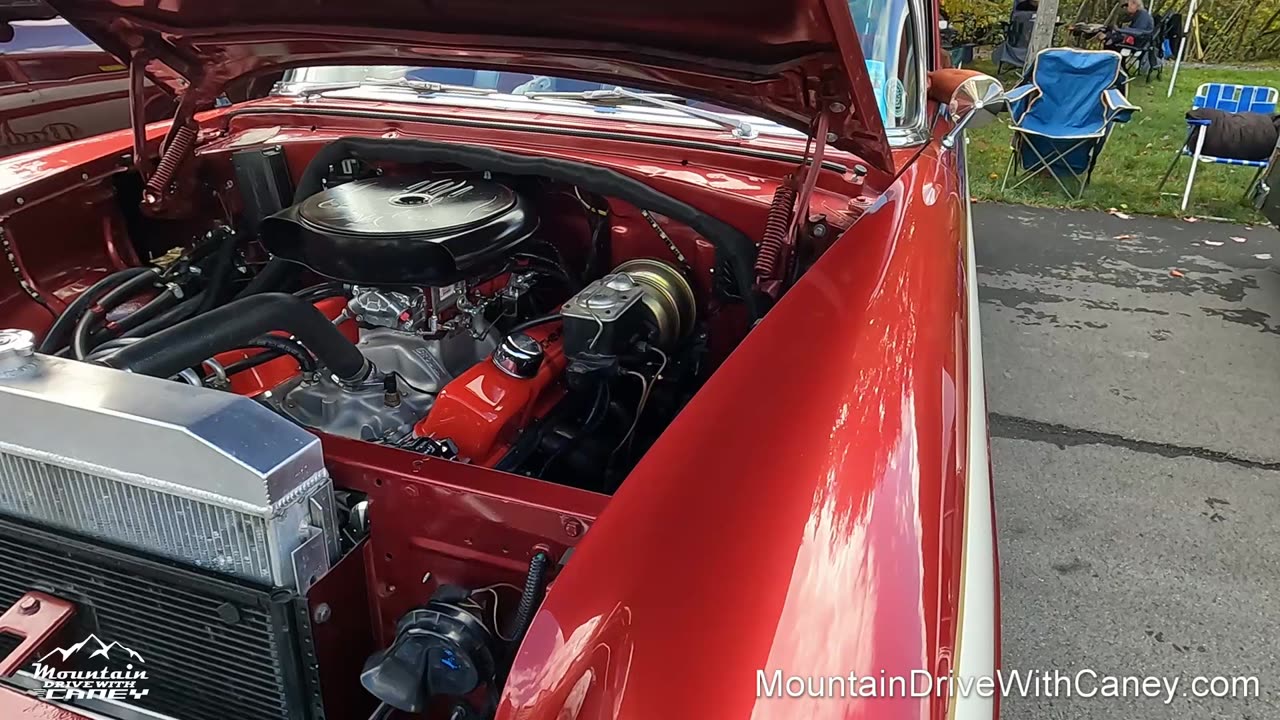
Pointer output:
60, 333
541, 320
316, 293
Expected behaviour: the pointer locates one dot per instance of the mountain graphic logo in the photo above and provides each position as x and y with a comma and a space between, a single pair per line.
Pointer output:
95, 647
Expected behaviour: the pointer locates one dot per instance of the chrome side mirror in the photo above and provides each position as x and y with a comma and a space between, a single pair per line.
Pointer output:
974, 103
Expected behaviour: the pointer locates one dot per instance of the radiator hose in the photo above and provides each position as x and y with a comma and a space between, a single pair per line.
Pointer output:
191, 342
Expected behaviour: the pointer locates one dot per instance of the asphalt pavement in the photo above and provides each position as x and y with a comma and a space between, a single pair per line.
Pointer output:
1133, 380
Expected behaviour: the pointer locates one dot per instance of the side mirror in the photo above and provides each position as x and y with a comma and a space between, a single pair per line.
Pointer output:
6, 31
974, 103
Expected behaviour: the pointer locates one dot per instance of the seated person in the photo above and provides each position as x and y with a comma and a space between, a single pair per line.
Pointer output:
1027, 6
1137, 24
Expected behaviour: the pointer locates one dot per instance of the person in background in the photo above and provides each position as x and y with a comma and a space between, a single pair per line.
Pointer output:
1027, 6
1137, 21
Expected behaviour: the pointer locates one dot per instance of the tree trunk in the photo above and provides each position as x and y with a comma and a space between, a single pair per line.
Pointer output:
1042, 34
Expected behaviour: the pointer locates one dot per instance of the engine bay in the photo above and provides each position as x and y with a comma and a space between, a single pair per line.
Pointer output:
484, 344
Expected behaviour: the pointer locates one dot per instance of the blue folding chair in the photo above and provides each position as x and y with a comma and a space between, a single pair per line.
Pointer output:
1062, 115
1228, 98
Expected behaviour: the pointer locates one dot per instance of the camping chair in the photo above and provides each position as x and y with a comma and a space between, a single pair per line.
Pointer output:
1228, 98
1062, 115
1017, 37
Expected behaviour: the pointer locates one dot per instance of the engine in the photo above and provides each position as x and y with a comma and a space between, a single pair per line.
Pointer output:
395, 315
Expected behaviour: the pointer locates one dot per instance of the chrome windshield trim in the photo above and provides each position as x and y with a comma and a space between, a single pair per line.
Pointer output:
743, 149
641, 112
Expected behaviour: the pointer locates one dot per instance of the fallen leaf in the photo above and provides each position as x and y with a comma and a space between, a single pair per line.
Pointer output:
1176, 273
1123, 206
1214, 243
1263, 256
1122, 216
1237, 238
993, 176
1191, 219
1123, 237
1248, 227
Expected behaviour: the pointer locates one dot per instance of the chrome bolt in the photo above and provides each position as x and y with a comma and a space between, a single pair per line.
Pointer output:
837, 107
832, 137
572, 528
322, 613
28, 605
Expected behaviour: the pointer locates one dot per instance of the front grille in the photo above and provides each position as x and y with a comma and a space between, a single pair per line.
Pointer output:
213, 648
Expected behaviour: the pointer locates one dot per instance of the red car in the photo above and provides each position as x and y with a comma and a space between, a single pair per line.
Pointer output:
551, 360
56, 85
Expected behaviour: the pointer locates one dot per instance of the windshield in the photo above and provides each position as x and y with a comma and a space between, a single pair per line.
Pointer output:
887, 33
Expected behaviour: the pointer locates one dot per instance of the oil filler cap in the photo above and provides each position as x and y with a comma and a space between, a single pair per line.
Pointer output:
15, 347
519, 356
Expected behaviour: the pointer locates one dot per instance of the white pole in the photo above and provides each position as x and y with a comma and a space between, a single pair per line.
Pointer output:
1182, 46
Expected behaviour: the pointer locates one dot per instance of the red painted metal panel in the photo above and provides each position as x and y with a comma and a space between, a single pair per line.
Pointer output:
802, 514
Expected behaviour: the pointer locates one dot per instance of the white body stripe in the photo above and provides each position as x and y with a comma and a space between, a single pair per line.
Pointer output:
976, 654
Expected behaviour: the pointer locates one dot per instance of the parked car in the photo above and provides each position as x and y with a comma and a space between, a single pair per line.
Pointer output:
56, 85
604, 360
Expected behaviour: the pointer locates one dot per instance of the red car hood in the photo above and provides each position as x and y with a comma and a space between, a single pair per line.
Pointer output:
788, 60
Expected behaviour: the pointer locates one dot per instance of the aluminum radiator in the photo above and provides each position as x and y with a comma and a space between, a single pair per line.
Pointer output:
206, 478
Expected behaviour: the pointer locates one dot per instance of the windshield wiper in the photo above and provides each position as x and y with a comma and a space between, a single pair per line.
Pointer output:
307, 91
740, 128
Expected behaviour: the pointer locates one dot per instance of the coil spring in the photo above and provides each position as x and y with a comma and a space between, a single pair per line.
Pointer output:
774, 240
183, 140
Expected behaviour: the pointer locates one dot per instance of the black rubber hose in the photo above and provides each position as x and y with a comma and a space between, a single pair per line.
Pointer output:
83, 340
732, 245
191, 342
220, 270
531, 596
60, 333
177, 314
152, 309
271, 278
285, 346
125, 291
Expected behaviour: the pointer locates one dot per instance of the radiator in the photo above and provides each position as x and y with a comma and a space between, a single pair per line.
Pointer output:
215, 648
209, 479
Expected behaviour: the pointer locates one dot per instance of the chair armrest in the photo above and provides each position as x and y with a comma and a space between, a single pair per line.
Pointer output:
1119, 109
1017, 100
1022, 92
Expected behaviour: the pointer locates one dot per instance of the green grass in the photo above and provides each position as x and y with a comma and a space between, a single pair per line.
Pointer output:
1135, 158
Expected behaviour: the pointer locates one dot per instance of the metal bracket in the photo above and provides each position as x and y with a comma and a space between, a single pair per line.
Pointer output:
34, 618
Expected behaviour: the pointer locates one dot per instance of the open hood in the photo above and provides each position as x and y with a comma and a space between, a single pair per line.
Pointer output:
788, 60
